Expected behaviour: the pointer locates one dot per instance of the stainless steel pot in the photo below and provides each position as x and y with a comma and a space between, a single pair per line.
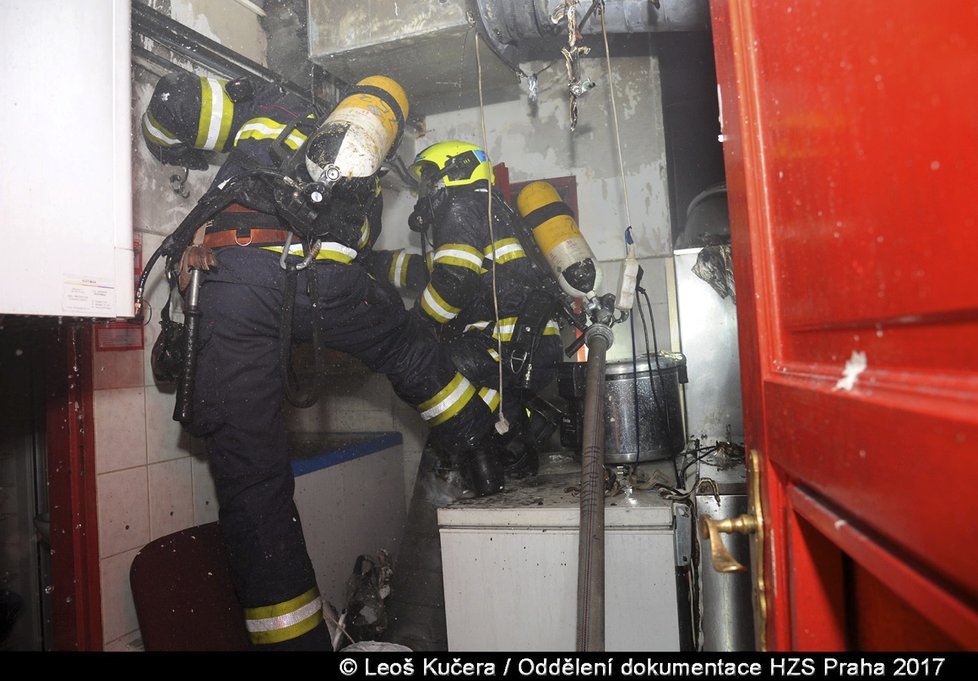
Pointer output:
643, 407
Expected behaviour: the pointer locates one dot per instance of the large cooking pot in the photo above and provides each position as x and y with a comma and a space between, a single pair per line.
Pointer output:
643, 416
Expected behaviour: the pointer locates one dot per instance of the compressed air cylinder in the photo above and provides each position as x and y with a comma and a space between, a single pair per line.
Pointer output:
556, 232
359, 133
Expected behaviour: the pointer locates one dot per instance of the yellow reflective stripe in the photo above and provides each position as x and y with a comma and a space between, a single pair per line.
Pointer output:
448, 402
266, 128
475, 326
156, 133
459, 255
436, 307
216, 111
504, 329
399, 269
490, 397
493, 354
507, 326
284, 621
328, 250
505, 250
364, 234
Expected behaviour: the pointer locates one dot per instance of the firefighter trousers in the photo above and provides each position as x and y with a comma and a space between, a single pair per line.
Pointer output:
239, 411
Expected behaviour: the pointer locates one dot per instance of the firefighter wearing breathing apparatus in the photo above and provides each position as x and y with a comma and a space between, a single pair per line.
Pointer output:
488, 304
191, 119
281, 231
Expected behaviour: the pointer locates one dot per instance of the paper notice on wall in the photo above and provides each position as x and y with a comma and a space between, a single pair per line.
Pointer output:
84, 296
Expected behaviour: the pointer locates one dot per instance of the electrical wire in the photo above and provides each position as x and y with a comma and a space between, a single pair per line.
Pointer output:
656, 398
502, 425
706, 451
614, 112
635, 401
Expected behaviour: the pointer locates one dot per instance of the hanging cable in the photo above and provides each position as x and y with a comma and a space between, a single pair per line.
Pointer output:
614, 119
635, 397
502, 425
657, 399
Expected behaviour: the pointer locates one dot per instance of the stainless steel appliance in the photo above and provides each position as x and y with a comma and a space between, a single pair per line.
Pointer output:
714, 421
708, 339
643, 416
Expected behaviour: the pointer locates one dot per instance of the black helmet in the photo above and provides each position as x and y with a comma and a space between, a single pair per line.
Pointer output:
188, 114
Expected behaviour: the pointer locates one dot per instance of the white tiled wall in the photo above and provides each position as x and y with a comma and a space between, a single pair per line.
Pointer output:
120, 427
151, 480
171, 506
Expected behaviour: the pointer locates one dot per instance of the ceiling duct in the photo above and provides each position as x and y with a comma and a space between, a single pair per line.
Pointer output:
197, 49
511, 26
428, 46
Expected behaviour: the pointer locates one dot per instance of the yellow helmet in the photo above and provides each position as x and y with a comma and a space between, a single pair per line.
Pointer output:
451, 164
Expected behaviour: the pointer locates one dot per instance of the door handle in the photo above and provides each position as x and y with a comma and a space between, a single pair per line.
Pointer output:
711, 528
750, 523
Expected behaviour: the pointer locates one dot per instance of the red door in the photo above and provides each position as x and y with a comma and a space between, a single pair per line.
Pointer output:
850, 134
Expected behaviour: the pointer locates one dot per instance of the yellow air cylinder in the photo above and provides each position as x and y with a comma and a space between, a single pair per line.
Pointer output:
556, 232
363, 129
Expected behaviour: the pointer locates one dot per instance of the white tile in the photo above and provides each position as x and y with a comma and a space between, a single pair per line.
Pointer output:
376, 390
115, 368
120, 429
123, 511
118, 610
308, 420
408, 422
165, 438
205, 497
346, 420
171, 499
414, 433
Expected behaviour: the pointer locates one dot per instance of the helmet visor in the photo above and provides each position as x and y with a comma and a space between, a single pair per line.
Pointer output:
428, 174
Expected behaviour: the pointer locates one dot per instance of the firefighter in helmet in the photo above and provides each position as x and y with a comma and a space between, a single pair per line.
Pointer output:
485, 299
191, 119
249, 265
189, 115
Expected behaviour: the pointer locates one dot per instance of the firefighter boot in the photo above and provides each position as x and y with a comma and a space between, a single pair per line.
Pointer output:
519, 457
482, 470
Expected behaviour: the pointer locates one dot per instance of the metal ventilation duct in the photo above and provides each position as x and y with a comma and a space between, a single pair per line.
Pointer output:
197, 49
428, 46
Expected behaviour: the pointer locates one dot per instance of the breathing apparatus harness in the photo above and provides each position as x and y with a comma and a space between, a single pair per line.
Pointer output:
301, 205
552, 296
541, 303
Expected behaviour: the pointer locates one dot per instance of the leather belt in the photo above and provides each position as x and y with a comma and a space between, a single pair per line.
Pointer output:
240, 226
246, 237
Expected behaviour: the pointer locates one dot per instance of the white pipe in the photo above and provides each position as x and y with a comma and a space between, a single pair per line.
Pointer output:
248, 4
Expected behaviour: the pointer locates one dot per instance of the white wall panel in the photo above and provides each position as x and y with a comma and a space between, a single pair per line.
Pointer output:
65, 185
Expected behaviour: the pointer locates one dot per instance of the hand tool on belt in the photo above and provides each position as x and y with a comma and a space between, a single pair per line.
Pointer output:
183, 409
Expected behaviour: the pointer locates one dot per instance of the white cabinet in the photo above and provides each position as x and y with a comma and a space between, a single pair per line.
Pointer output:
66, 190
510, 569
